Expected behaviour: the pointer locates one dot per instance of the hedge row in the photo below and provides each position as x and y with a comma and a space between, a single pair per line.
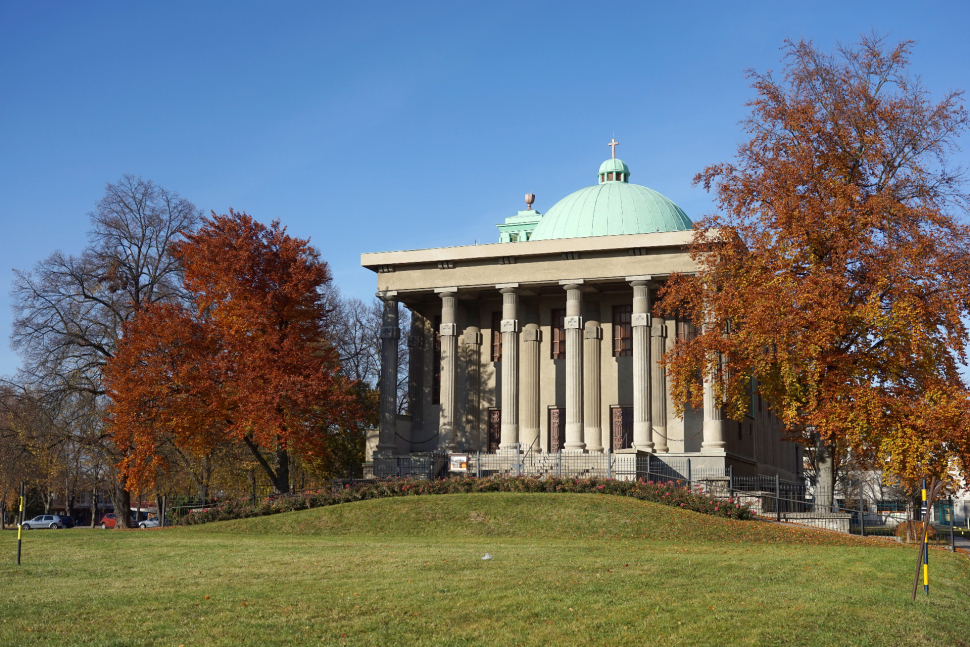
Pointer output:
670, 494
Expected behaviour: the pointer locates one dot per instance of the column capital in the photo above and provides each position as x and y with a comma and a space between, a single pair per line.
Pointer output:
643, 279
571, 283
445, 291
387, 295
640, 319
390, 332
505, 288
593, 332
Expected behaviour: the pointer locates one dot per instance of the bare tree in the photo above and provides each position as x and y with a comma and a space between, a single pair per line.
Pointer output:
69, 311
355, 331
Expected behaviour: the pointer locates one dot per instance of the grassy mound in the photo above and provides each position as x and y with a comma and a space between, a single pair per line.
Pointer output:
524, 516
567, 569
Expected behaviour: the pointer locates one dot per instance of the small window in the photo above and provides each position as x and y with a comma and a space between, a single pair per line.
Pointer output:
558, 346
623, 330
436, 382
513, 238
496, 336
609, 176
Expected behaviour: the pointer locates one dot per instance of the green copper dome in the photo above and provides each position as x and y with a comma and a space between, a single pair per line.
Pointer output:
610, 208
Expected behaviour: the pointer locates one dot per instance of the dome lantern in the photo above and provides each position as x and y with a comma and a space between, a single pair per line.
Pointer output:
613, 170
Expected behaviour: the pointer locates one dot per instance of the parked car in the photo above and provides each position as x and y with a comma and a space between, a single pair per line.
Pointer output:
52, 521
68, 521
149, 523
109, 521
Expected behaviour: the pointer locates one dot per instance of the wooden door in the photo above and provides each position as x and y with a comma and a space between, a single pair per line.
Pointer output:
494, 430
557, 429
622, 427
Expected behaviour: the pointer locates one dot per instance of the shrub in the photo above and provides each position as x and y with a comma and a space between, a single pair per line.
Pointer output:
913, 531
671, 494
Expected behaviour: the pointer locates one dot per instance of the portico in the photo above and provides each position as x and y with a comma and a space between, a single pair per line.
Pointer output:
550, 344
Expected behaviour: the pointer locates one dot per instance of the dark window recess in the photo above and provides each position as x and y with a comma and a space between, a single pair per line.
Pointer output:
558, 346
436, 360
623, 330
622, 427
494, 429
557, 429
752, 393
496, 336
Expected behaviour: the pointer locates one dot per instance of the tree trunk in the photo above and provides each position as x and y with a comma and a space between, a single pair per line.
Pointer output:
122, 501
94, 507
280, 478
282, 472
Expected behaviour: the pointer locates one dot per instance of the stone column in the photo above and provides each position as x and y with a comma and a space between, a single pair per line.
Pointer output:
532, 339
658, 388
390, 333
592, 404
472, 360
416, 376
713, 417
449, 352
510, 366
825, 478
642, 423
575, 441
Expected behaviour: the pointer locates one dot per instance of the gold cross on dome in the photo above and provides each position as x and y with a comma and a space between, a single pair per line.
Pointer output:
613, 143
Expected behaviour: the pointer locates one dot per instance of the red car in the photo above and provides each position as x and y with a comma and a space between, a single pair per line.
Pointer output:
108, 521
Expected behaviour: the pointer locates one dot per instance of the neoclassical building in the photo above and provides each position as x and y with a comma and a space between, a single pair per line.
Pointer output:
544, 342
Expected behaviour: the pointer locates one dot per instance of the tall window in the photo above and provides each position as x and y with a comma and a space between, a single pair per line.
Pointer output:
436, 382
558, 345
623, 330
496, 336
685, 331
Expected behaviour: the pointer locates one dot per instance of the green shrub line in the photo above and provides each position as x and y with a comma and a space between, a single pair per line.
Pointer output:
670, 494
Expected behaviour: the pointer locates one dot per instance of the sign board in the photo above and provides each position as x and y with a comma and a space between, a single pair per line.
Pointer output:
458, 463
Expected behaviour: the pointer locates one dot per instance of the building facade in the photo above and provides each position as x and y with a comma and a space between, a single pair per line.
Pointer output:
545, 343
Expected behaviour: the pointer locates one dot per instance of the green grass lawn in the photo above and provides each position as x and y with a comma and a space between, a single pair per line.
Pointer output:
568, 569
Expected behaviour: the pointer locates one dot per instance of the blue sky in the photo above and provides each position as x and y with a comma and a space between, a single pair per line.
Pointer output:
378, 126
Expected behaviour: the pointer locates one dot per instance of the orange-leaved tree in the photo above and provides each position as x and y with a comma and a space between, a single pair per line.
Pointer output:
835, 270
246, 363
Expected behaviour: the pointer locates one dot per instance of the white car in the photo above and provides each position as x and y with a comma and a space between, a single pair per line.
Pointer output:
52, 521
149, 523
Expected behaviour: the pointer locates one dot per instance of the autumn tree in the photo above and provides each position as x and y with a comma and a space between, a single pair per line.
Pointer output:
69, 310
835, 270
248, 361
